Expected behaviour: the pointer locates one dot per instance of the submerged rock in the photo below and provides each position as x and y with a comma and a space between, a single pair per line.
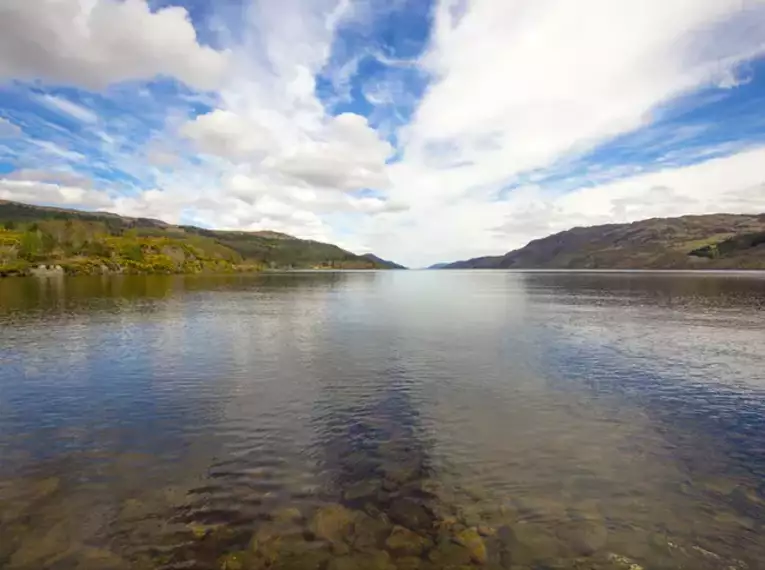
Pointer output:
362, 489
410, 514
403, 542
486, 530
623, 562
526, 544
472, 541
408, 563
332, 523
378, 560
287, 515
368, 532
448, 554
240, 560
583, 537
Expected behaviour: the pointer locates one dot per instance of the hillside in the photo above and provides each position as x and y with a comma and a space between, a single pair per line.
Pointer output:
98, 242
380, 261
717, 241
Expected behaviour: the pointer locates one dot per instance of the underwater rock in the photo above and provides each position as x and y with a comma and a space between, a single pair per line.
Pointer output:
378, 560
403, 542
368, 532
302, 559
584, 537
332, 523
623, 562
362, 489
525, 544
100, 559
448, 554
486, 530
241, 560
410, 514
470, 515
472, 541
287, 515
408, 563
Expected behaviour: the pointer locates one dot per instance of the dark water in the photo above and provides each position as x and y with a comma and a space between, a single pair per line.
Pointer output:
384, 420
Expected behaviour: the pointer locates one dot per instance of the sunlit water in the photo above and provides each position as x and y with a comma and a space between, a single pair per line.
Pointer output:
303, 420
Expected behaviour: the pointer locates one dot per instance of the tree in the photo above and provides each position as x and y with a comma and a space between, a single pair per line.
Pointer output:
31, 245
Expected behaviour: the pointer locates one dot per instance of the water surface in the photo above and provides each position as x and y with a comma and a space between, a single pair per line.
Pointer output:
384, 420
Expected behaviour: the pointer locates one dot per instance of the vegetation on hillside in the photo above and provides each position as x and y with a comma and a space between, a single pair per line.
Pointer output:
78, 242
718, 241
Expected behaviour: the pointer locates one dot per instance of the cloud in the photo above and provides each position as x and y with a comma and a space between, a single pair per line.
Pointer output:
98, 42
731, 184
9, 129
38, 192
58, 177
522, 87
520, 118
53, 149
69, 108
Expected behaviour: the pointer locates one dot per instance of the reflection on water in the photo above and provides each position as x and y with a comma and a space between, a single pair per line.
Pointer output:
383, 420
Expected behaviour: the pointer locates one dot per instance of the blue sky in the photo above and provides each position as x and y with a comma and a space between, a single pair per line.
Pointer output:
421, 130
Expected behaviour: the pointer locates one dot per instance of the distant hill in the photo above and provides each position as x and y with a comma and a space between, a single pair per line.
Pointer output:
96, 242
439, 266
717, 241
380, 261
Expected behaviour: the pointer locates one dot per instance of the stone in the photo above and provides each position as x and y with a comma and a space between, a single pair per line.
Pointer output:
305, 559
404, 542
98, 558
526, 544
332, 523
378, 560
448, 554
486, 530
623, 562
369, 532
362, 489
410, 514
408, 563
240, 560
472, 541
287, 515
584, 537
470, 515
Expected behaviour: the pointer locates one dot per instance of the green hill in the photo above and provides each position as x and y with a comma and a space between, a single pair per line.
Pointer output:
717, 241
82, 242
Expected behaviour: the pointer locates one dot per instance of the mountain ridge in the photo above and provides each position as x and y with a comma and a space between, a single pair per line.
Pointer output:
83, 242
712, 241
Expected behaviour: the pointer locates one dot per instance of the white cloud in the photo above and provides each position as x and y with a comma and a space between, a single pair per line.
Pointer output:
732, 184
53, 149
521, 86
67, 107
9, 129
37, 192
97, 42
515, 88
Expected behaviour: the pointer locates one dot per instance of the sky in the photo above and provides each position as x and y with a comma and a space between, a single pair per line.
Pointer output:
421, 130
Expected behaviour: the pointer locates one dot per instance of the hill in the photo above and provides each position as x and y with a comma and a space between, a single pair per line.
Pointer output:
97, 242
717, 241
380, 261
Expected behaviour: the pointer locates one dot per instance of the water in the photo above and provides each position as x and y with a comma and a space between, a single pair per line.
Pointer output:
383, 420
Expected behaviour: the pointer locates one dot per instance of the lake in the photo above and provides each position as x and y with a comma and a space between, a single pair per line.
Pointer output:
383, 420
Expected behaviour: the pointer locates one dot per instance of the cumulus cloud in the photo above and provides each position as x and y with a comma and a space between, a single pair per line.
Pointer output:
99, 42
519, 87
517, 92
38, 192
